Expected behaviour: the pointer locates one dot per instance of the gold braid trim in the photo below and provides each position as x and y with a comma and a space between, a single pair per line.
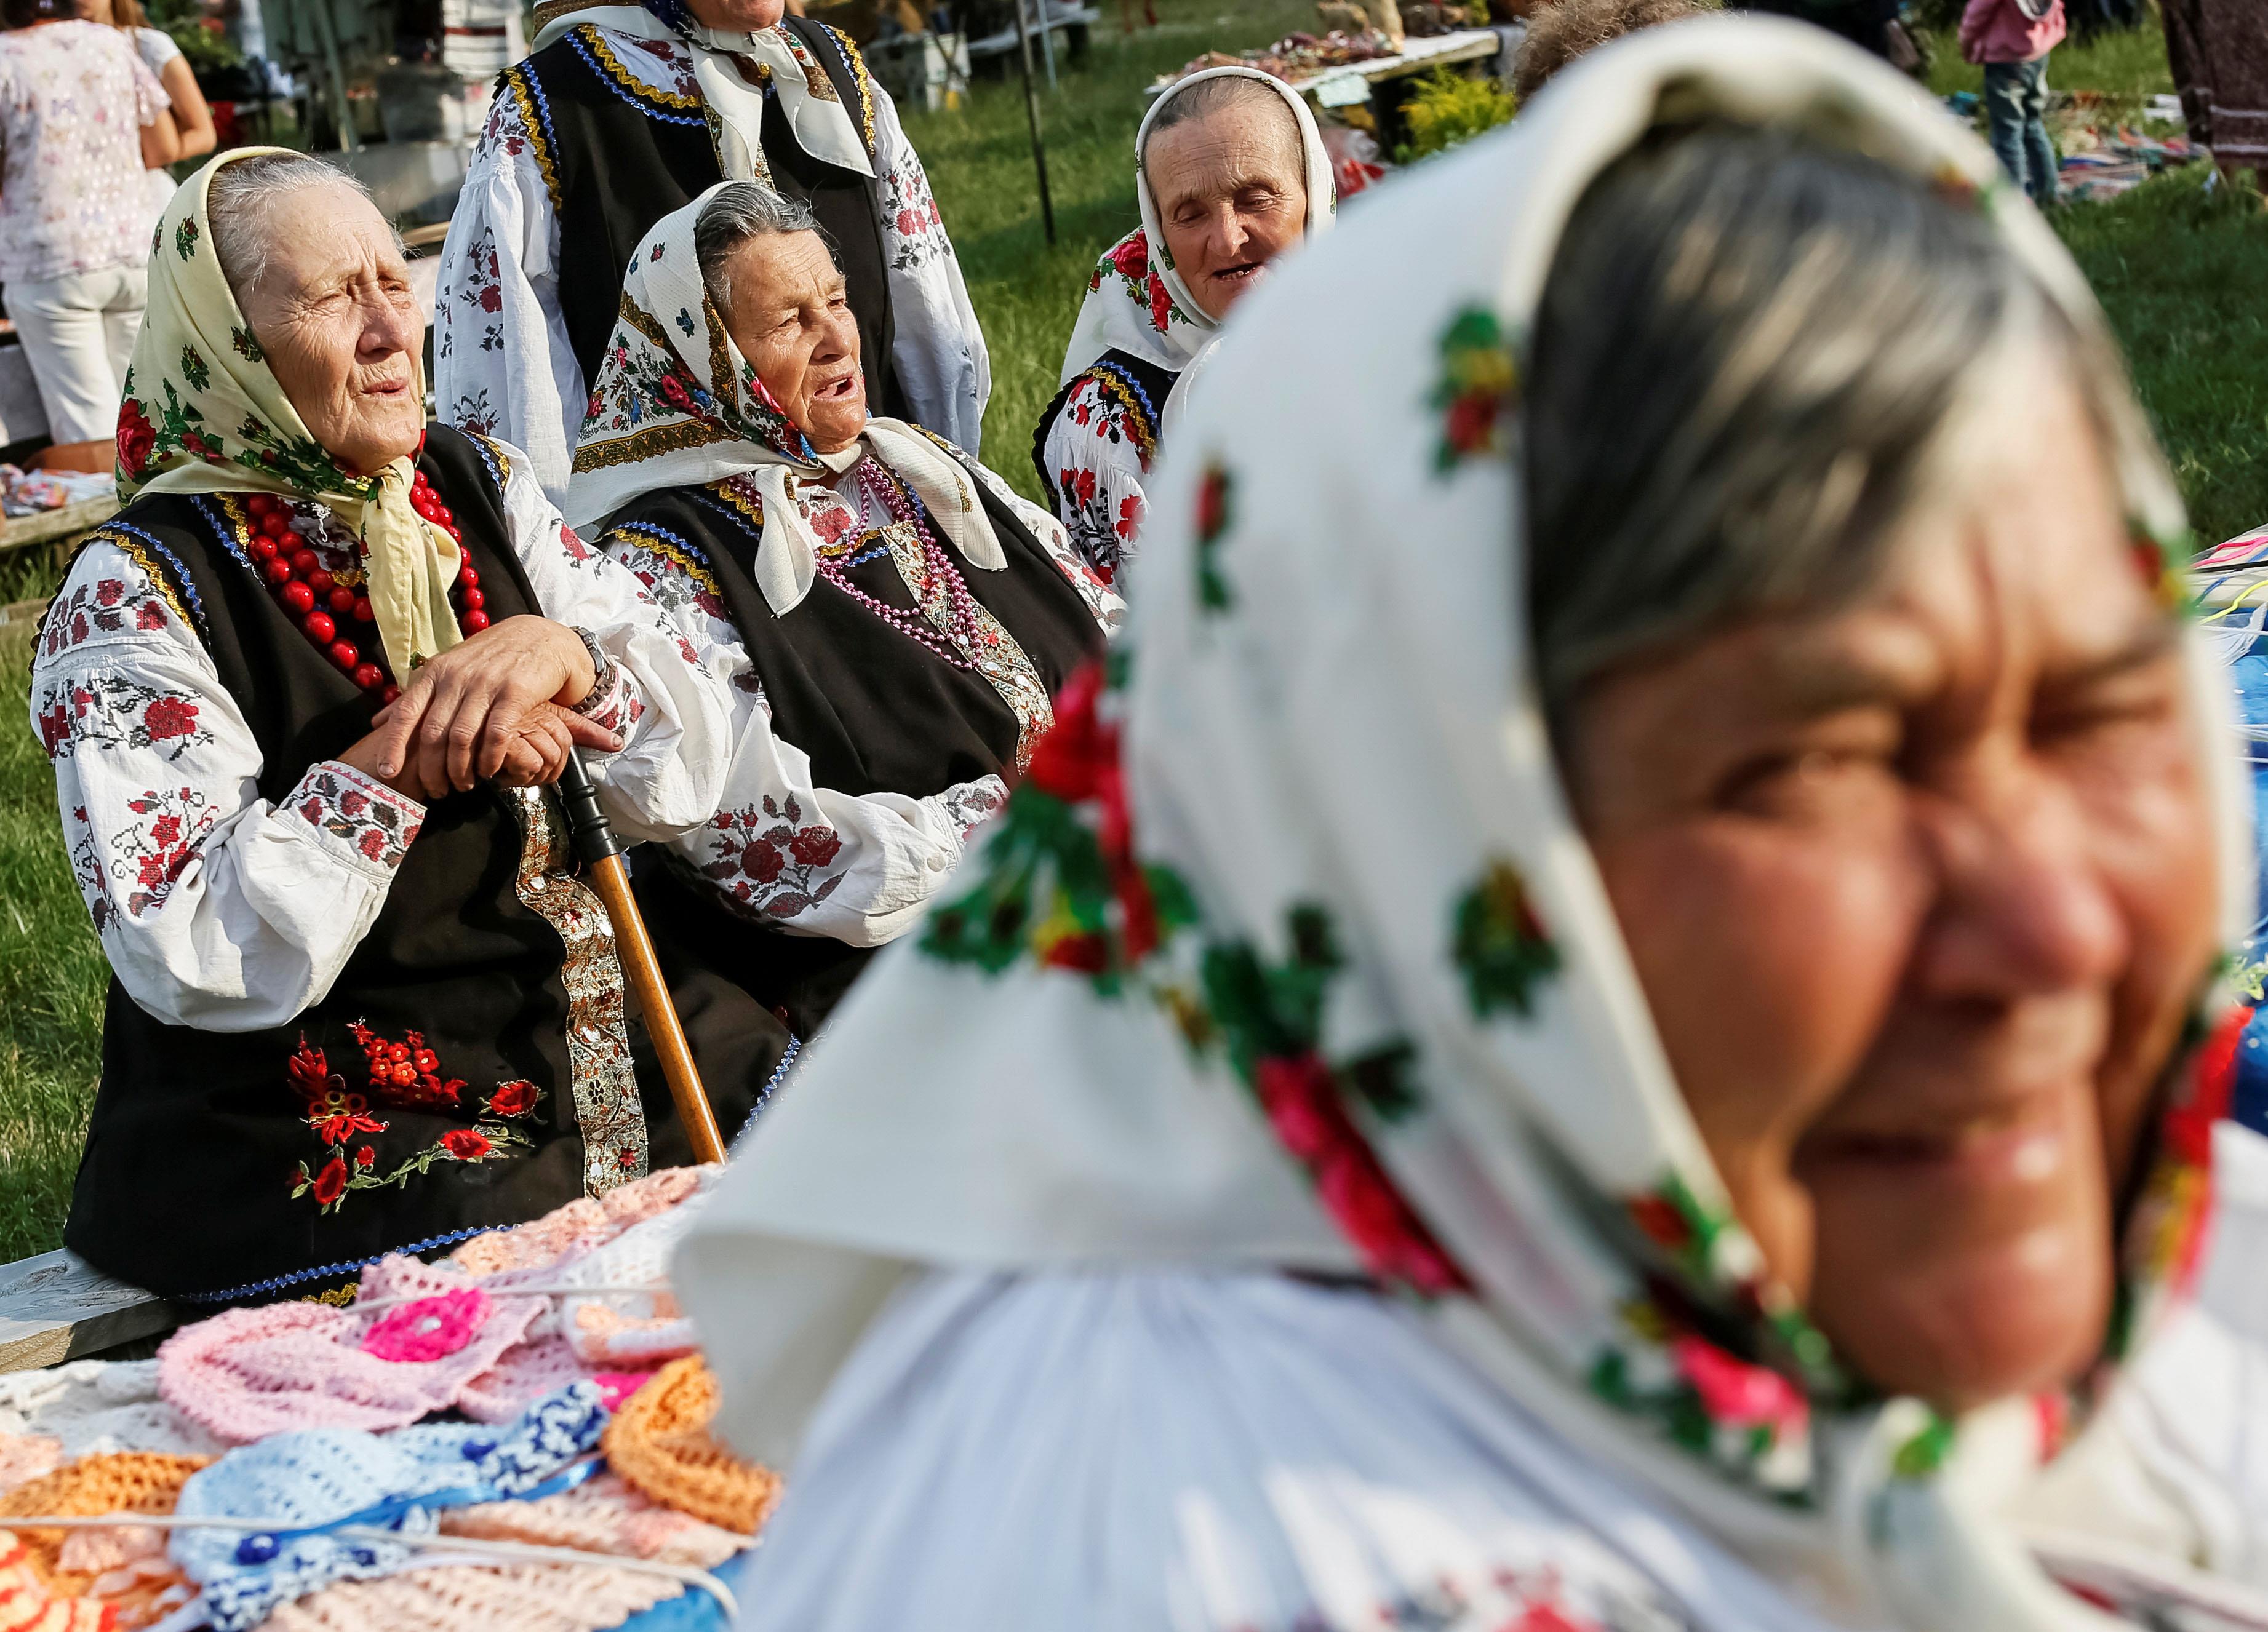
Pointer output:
638, 535
751, 510
860, 77
721, 383
651, 443
1145, 434
514, 80
644, 322
590, 36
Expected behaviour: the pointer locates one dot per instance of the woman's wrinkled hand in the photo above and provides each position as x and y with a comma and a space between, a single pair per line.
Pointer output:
490, 708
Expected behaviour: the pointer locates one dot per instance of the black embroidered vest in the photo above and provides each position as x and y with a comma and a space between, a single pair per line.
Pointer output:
877, 711
1141, 387
617, 157
435, 1090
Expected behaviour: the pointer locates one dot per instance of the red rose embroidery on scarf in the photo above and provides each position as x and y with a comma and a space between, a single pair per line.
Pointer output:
1735, 1392
1132, 257
512, 1099
1162, 303
137, 435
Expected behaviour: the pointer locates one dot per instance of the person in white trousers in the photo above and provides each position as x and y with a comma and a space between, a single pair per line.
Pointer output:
74, 221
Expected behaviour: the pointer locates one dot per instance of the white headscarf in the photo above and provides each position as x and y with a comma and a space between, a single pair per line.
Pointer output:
676, 405
822, 125
1289, 952
1135, 301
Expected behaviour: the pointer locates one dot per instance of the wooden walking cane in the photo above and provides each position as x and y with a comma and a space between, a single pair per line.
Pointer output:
603, 870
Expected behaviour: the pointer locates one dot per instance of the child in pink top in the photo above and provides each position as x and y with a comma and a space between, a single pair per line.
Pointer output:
2012, 39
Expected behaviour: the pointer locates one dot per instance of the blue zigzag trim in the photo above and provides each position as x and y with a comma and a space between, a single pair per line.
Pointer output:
1125, 377
489, 459
726, 511
598, 71
277, 1283
182, 579
222, 531
778, 1075
542, 107
676, 539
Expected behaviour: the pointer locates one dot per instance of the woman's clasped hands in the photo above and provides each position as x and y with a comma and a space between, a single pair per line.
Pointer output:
498, 708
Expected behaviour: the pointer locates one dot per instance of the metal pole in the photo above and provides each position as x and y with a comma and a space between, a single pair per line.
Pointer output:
1032, 109
602, 864
319, 15
1047, 42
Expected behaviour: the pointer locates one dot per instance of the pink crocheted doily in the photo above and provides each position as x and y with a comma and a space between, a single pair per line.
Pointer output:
428, 1329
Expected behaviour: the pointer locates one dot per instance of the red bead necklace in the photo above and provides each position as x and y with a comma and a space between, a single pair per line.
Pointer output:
326, 610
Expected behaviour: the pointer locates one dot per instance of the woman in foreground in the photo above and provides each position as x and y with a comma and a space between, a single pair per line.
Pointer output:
1649, 1051
298, 694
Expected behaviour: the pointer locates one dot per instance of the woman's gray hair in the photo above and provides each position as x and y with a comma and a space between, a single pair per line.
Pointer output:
239, 201
1752, 356
739, 211
1208, 96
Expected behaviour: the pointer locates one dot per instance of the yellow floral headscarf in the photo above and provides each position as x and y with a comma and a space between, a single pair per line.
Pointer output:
205, 414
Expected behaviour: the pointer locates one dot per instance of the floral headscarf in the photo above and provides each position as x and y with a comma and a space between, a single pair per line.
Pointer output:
1135, 301
677, 405
203, 414
1207, 997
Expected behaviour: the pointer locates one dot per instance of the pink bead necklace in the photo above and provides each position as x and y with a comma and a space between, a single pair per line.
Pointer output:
964, 617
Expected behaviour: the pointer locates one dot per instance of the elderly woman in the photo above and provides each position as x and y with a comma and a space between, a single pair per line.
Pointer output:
895, 621
1715, 1142
1231, 172
294, 695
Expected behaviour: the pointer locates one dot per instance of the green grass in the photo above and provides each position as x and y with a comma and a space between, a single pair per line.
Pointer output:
2178, 270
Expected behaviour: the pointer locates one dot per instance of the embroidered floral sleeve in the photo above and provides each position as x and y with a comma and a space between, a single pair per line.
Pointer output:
1092, 582
217, 908
1095, 465
857, 868
502, 363
939, 350
672, 705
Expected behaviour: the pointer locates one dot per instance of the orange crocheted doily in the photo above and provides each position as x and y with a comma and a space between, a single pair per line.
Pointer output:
659, 1442
120, 1481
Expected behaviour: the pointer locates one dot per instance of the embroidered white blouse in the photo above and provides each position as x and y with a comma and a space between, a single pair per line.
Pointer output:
222, 911
1096, 456
858, 868
501, 361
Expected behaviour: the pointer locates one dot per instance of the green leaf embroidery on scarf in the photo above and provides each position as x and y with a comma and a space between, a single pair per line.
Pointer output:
2163, 558
247, 347
194, 370
1216, 497
185, 238
1479, 378
1925, 1453
1501, 945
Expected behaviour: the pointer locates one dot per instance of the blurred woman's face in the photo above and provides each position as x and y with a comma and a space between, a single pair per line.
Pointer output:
1920, 891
